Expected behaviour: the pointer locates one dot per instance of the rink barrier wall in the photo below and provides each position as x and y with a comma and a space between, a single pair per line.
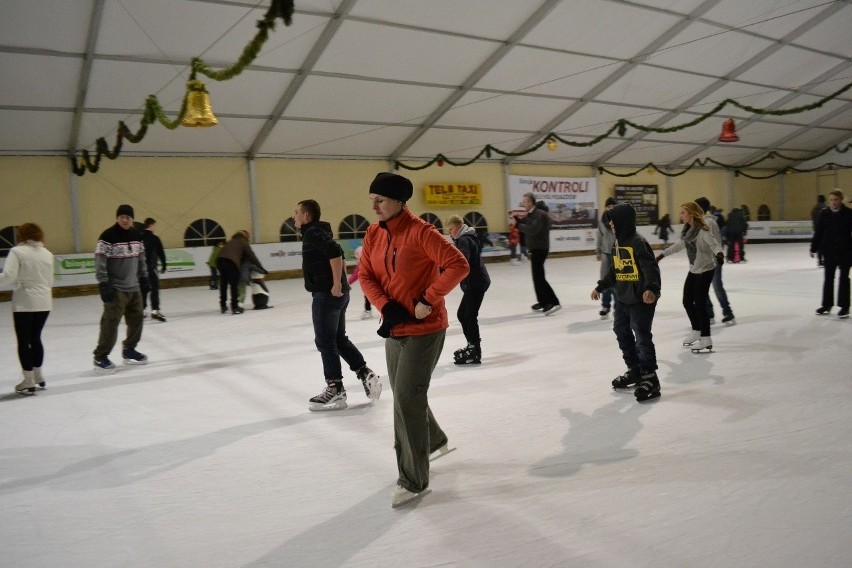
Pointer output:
75, 273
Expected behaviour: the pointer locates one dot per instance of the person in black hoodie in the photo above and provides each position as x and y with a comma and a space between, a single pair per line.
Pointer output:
474, 286
833, 239
324, 270
635, 277
153, 252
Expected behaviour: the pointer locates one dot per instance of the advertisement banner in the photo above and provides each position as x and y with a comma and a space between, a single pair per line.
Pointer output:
572, 202
644, 199
451, 194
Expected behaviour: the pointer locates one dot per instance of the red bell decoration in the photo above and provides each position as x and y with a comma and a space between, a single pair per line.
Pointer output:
729, 132
440, 163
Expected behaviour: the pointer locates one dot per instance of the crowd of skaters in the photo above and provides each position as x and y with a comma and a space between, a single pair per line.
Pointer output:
405, 269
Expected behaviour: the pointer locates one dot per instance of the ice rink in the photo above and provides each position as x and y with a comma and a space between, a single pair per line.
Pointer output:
209, 457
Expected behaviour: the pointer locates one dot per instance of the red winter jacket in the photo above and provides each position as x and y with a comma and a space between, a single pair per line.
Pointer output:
405, 258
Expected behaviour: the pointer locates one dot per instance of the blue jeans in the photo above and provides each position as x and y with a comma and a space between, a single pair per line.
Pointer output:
721, 295
632, 327
329, 315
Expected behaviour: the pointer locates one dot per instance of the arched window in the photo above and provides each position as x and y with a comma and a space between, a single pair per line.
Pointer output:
763, 213
477, 222
203, 232
289, 233
746, 212
434, 219
352, 227
7, 240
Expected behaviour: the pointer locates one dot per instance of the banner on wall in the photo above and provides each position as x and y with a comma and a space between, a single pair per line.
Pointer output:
572, 202
645, 199
450, 194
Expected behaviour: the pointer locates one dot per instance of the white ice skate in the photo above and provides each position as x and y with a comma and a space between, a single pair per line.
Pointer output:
693, 336
403, 496
705, 345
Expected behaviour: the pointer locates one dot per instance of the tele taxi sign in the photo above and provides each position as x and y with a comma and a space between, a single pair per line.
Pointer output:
453, 193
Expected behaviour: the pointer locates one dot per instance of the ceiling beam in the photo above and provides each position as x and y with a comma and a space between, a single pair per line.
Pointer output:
310, 60
85, 72
496, 56
613, 77
722, 81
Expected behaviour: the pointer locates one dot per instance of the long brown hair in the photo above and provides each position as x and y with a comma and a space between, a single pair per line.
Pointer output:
697, 214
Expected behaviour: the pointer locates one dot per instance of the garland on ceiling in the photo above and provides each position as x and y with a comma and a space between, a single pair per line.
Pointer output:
154, 112
552, 138
651, 167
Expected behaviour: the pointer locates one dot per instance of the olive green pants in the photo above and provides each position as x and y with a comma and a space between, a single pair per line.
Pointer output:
129, 306
410, 362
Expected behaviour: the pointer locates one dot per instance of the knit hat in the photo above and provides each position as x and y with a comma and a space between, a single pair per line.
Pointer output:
704, 203
392, 185
610, 201
124, 210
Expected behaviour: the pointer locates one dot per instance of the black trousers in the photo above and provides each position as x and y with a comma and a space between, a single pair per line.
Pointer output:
468, 315
544, 294
229, 278
28, 326
833, 263
696, 289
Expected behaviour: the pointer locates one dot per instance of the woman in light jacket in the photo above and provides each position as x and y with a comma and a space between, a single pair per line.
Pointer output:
704, 254
29, 270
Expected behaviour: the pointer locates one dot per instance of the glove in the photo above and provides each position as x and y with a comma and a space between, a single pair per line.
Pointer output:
660, 257
392, 314
720, 258
107, 292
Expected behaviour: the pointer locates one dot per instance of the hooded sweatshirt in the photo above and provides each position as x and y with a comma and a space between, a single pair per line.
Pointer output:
633, 268
470, 246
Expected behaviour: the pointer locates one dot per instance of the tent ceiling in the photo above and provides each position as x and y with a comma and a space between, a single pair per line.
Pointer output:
391, 79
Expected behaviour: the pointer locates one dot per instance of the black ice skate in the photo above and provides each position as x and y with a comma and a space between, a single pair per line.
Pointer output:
648, 388
629, 379
470, 355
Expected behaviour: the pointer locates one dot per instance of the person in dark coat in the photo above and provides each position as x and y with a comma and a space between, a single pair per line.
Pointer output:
474, 286
737, 230
818, 208
153, 252
535, 226
229, 262
833, 238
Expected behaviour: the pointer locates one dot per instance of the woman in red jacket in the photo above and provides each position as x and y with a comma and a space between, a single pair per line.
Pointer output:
407, 267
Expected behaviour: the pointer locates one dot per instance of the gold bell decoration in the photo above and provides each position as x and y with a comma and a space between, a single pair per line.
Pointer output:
552, 144
197, 104
729, 132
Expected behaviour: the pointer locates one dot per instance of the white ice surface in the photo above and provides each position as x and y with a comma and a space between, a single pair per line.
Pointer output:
208, 456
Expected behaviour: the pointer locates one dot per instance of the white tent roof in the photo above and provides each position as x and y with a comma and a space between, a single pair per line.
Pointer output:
406, 80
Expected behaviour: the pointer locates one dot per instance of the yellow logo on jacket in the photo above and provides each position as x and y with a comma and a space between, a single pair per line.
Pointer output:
625, 265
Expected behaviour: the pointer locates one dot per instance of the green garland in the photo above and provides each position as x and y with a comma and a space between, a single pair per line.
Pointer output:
621, 128
154, 111
738, 169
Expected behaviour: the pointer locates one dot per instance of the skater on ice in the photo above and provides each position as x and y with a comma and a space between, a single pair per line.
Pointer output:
407, 268
634, 277
603, 254
704, 253
324, 270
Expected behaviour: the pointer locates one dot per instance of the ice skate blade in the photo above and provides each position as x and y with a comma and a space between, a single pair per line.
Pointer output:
402, 498
441, 452
462, 362
708, 349
135, 362
320, 407
650, 397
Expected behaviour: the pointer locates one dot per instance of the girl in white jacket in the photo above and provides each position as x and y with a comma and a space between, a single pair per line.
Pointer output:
29, 270
704, 254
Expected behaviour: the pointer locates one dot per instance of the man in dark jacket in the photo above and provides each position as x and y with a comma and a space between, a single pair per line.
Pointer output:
474, 286
635, 277
229, 263
536, 227
153, 252
818, 208
833, 239
324, 270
